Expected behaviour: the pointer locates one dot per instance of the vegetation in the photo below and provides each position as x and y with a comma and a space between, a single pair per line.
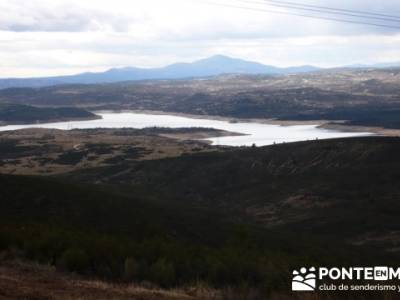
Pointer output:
387, 117
327, 185
63, 225
49, 151
244, 218
20, 114
363, 97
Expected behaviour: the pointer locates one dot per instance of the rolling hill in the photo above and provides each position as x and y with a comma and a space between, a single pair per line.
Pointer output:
241, 218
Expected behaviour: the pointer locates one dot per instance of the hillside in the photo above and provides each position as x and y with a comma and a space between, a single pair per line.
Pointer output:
21, 114
99, 232
236, 217
31, 281
345, 188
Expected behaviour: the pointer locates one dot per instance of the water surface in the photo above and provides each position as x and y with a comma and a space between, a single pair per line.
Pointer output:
256, 133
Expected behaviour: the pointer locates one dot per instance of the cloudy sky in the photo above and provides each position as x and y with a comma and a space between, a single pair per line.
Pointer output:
51, 37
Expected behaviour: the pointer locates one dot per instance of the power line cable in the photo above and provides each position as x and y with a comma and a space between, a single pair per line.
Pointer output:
301, 15
335, 9
320, 10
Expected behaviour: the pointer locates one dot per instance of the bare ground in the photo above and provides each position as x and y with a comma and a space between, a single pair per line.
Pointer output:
35, 282
51, 151
28, 281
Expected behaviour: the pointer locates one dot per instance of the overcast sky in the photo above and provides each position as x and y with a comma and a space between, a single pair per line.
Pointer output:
51, 37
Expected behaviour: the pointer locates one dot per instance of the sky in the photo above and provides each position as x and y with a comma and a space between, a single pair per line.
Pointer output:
57, 37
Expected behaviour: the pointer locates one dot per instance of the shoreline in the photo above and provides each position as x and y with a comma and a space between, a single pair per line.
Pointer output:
323, 124
337, 125
352, 128
95, 117
217, 118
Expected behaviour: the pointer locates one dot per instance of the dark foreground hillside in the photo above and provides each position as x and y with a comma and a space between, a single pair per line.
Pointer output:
242, 218
345, 187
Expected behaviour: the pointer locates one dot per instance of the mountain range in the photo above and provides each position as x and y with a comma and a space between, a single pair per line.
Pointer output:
212, 66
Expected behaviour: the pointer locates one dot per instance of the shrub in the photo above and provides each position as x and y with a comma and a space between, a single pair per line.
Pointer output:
131, 268
75, 260
163, 272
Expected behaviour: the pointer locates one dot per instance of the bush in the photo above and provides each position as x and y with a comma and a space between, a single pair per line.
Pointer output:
3, 242
131, 268
75, 260
163, 272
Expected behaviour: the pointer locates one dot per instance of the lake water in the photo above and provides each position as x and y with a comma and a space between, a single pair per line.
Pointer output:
256, 133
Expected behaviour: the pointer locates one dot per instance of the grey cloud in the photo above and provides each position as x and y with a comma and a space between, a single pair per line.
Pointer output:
22, 17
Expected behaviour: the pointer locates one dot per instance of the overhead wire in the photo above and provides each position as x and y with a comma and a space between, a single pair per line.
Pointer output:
330, 11
252, 8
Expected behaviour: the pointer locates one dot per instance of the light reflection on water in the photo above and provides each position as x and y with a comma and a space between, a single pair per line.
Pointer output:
256, 133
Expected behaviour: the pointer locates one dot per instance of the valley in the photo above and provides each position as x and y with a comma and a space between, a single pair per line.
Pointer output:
164, 210
361, 97
200, 150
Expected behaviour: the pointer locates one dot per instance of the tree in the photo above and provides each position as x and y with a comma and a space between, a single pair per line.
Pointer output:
163, 272
131, 268
74, 260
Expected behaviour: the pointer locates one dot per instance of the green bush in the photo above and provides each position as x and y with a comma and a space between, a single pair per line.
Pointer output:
3, 242
74, 260
163, 272
131, 269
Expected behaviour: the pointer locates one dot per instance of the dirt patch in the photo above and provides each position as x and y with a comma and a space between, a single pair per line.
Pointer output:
51, 151
30, 281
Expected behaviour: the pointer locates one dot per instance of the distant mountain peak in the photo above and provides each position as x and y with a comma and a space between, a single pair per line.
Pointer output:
219, 57
210, 66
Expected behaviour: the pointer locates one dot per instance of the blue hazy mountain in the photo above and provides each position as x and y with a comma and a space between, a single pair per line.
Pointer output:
375, 66
212, 66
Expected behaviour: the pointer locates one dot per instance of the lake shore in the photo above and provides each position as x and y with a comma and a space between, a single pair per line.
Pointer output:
353, 128
58, 120
323, 124
232, 132
219, 118
201, 135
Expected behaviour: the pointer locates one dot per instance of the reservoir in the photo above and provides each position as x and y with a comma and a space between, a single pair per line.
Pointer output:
260, 134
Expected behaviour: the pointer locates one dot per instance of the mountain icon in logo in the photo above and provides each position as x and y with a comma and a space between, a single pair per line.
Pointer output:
305, 280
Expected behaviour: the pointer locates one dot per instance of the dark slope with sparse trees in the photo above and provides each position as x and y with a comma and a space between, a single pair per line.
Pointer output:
343, 187
242, 217
22, 114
